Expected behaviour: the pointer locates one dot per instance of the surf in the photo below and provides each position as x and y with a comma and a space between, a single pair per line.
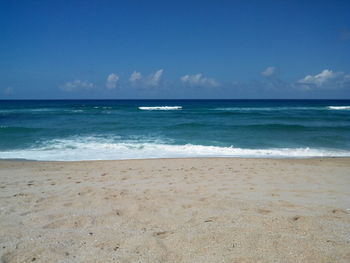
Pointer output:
161, 108
80, 149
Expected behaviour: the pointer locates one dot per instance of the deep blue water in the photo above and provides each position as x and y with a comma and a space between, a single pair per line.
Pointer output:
120, 129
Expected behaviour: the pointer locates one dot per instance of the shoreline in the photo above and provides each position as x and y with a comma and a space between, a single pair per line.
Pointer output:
176, 158
176, 210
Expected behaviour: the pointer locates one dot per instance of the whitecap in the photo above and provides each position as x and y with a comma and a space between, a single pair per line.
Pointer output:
339, 107
78, 149
267, 108
161, 108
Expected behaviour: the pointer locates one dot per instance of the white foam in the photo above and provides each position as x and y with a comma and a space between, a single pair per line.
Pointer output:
282, 108
339, 107
102, 107
102, 149
267, 108
161, 108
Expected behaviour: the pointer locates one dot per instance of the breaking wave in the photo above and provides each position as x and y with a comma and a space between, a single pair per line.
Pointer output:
103, 149
281, 108
339, 107
161, 108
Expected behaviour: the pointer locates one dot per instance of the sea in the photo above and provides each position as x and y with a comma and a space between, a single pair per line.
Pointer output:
72, 130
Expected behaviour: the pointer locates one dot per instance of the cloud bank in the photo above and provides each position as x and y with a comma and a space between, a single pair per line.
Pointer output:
327, 83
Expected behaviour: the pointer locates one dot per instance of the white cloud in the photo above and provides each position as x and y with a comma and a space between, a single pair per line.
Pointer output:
8, 91
269, 71
76, 85
199, 80
112, 80
326, 79
135, 77
154, 78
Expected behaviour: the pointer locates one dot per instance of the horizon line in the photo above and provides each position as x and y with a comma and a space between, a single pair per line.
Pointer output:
152, 99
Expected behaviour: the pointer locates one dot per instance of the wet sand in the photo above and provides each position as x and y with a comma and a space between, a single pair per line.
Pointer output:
176, 210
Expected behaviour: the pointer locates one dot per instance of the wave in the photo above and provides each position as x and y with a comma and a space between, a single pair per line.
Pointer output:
267, 108
103, 149
102, 107
282, 108
161, 108
26, 110
22, 130
293, 127
339, 107
40, 111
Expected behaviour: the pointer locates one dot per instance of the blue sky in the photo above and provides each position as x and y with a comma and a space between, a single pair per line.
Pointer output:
174, 49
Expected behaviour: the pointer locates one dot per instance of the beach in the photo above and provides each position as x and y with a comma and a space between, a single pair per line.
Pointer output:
175, 132
176, 210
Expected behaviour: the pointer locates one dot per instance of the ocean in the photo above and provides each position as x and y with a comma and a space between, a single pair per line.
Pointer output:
70, 130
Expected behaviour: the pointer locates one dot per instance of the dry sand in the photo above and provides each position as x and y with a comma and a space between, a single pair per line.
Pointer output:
176, 210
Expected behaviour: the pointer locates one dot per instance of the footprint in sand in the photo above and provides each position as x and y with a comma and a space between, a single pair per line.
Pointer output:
296, 218
162, 234
211, 219
339, 211
264, 211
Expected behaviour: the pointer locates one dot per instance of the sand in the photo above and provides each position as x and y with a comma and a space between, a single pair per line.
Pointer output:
176, 210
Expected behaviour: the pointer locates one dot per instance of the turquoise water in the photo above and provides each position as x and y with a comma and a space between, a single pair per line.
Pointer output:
124, 129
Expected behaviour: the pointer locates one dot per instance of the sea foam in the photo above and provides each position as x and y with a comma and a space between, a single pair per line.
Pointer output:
161, 108
339, 107
101, 149
268, 108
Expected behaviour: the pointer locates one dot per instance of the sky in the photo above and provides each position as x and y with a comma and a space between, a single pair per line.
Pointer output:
174, 49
